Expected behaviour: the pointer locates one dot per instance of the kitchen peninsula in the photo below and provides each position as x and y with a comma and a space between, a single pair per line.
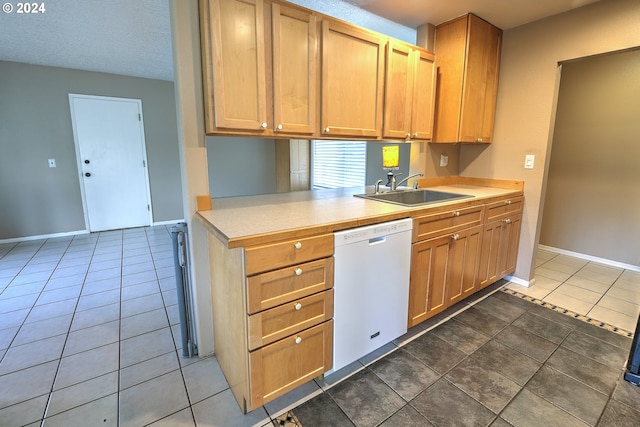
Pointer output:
271, 260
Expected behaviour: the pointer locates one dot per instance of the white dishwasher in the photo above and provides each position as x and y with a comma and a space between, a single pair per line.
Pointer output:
371, 288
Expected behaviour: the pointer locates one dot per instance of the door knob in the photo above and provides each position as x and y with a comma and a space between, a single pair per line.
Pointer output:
87, 174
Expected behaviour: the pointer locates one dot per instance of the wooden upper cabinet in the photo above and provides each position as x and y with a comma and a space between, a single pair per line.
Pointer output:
352, 81
409, 92
233, 55
260, 62
468, 58
295, 61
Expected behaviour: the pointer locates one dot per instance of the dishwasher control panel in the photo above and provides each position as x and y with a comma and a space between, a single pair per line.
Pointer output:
371, 231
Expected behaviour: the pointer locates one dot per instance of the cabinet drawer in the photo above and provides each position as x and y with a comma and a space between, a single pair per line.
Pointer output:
440, 224
504, 208
284, 365
278, 287
271, 257
276, 323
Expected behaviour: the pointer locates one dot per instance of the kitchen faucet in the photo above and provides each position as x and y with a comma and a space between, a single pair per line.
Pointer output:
391, 180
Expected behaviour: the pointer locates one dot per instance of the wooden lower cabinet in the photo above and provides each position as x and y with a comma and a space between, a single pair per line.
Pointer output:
443, 271
499, 249
284, 365
272, 315
459, 252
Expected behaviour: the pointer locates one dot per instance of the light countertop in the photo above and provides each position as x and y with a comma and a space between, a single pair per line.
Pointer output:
242, 221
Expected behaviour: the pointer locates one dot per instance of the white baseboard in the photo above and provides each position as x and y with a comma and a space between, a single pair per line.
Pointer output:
591, 258
43, 236
521, 282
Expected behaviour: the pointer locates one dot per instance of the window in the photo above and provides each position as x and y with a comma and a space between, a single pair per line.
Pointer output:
336, 164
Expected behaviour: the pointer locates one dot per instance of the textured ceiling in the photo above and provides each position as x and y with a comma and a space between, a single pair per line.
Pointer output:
133, 37
129, 37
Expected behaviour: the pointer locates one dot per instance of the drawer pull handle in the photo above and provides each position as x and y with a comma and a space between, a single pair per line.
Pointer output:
456, 213
455, 236
298, 271
298, 340
297, 245
507, 221
298, 306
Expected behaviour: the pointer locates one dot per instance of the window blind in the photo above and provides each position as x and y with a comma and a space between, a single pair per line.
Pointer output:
336, 164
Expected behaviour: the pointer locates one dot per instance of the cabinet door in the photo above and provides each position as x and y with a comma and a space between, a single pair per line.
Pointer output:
352, 81
512, 240
480, 82
234, 64
492, 240
427, 295
295, 53
422, 111
450, 45
499, 251
398, 91
462, 269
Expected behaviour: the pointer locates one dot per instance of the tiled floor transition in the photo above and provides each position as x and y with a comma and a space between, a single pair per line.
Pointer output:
89, 336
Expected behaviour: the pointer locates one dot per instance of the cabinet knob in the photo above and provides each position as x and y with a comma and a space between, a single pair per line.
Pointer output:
478, 139
326, 130
415, 135
408, 135
298, 340
263, 125
298, 306
455, 236
508, 202
279, 127
297, 245
298, 271
456, 213
507, 221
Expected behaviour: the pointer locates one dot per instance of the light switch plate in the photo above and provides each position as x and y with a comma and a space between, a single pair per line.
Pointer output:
52, 163
528, 161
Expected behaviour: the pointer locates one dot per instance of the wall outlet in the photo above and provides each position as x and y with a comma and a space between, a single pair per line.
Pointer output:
528, 161
52, 163
444, 160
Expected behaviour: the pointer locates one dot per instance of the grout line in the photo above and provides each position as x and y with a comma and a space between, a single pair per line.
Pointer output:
570, 313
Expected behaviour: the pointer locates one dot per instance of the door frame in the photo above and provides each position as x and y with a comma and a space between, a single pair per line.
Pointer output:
73, 96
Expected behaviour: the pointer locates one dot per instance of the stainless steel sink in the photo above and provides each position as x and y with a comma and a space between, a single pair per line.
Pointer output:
413, 197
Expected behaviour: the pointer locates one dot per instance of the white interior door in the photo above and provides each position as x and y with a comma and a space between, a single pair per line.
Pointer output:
110, 147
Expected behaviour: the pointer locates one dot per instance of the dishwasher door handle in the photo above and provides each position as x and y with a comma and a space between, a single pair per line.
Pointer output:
377, 240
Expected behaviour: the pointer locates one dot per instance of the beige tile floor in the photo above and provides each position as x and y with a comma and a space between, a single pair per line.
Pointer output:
89, 333
601, 292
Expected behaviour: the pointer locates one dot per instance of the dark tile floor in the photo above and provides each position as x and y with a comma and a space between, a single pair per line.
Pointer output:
504, 361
